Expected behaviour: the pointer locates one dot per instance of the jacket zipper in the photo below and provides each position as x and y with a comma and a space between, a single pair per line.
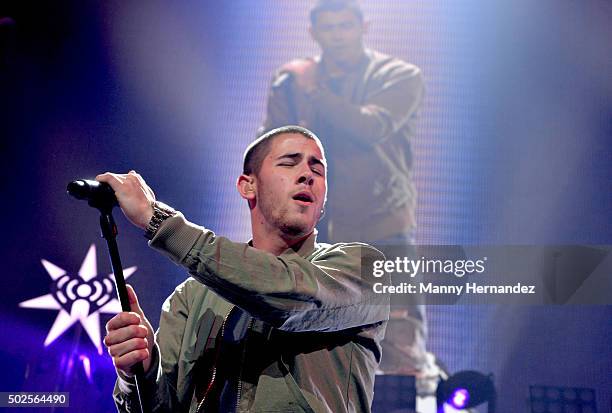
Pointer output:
239, 390
214, 373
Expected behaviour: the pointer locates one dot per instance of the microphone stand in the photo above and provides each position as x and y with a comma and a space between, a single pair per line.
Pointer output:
109, 233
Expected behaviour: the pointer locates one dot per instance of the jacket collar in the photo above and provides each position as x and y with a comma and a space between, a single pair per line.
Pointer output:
303, 249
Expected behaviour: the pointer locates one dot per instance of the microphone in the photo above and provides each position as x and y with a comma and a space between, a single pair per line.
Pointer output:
100, 195
97, 194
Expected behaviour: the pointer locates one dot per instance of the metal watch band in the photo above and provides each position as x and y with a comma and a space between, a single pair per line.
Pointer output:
161, 212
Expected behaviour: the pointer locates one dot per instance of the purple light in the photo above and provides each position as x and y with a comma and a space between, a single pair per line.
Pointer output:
86, 366
460, 398
69, 367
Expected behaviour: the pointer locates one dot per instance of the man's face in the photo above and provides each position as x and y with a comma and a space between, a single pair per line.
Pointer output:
291, 185
339, 34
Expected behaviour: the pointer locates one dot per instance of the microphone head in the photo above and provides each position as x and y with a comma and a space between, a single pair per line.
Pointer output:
78, 189
98, 194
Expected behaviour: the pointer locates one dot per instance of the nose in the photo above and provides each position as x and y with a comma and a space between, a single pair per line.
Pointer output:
305, 177
336, 36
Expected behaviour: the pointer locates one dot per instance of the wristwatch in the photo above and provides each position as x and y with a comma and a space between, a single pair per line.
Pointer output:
161, 212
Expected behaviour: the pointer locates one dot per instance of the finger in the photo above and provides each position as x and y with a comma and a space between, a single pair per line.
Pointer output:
125, 334
140, 179
132, 178
119, 349
135, 176
133, 173
114, 180
137, 179
133, 299
110, 176
123, 319
127, 361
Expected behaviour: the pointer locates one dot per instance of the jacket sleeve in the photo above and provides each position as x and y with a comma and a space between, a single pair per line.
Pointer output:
160, 384
325, 293
384, 111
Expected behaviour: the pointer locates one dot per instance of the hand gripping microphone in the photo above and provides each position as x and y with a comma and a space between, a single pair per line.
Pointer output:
98, 194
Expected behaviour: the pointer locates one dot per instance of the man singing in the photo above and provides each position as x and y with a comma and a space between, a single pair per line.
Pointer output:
281, 323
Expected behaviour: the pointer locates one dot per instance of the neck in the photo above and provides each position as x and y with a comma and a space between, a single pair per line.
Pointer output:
274, 240
338, 67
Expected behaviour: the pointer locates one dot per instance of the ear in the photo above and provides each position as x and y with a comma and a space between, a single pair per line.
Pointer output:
246, 187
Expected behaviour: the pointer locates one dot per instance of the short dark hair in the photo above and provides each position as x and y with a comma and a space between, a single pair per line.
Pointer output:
260, 147
334, 5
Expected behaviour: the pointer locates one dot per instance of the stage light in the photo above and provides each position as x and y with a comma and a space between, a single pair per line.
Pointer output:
460, 398
549, 399
466, 389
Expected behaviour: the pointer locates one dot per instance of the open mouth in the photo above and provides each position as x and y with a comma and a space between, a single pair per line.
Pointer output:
303, 197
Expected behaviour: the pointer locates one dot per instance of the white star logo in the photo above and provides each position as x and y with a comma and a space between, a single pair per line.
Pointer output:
80, 298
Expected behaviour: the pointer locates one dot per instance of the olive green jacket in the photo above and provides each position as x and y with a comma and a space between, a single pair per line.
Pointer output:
254, 332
